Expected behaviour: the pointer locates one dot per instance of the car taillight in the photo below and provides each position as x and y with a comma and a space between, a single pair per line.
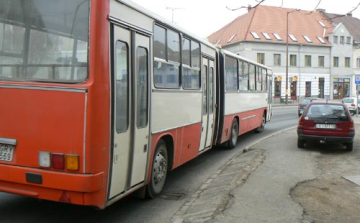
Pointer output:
351, 125
353, 105
301, 123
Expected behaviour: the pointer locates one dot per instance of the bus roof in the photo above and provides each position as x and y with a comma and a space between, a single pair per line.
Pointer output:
164, 21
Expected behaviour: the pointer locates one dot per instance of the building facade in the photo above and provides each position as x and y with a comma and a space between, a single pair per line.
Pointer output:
309, 54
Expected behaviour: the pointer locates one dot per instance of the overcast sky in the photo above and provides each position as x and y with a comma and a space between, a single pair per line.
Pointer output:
203, 17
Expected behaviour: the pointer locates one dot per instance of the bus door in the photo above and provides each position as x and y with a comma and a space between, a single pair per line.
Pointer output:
208, 104
129, 158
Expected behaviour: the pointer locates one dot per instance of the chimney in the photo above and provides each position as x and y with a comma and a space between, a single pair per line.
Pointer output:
249, 8
321, 10
349, 14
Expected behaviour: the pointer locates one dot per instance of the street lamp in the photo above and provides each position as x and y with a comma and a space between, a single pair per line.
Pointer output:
287, 55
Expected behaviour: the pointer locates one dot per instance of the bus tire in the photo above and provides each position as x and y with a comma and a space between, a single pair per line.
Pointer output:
234, 134
159, 170
262, 126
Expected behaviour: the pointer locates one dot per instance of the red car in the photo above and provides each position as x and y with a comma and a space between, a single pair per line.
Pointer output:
326, 122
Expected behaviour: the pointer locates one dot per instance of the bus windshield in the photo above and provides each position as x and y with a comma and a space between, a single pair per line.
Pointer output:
44, 40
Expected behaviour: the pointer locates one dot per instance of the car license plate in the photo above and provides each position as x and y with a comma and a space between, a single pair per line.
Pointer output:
325, 126
6, 152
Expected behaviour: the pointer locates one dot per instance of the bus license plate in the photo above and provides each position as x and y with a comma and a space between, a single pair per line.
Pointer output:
6, 152
325, 126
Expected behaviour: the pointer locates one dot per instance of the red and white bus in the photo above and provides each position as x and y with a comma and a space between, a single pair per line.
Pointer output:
101, 98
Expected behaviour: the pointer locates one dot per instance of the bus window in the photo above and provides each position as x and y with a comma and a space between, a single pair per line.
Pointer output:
243, 76
191, 71
35, 46
142, 87
258, 78
122, 85
166, 66
264, 79
252, 77
231, 72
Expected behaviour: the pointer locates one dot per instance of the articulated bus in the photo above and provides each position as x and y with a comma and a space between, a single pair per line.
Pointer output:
101, 98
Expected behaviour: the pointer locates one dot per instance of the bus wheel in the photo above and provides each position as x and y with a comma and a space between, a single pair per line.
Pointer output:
262, 126
159, 170
234, 134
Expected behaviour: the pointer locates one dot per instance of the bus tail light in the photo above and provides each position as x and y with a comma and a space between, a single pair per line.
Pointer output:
72, 162
44, 159
57, 161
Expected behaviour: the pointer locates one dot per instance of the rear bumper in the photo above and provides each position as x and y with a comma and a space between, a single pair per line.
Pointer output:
49, 185
326, 139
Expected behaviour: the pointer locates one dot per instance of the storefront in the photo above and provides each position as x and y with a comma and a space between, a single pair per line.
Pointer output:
341, 88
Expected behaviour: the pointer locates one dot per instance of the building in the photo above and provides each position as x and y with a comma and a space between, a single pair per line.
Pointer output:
296, 44
352, 24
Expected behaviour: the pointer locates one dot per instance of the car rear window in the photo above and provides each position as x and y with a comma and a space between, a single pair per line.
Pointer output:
348, 100
330, 111
305, 101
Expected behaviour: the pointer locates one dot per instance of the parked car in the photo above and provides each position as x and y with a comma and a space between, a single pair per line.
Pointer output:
351, 103
303, 104
326, 122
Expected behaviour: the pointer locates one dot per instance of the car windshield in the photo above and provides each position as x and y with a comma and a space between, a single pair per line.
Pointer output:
44, 40
326, 111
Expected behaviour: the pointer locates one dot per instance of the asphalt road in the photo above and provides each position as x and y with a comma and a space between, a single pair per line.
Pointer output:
181, 184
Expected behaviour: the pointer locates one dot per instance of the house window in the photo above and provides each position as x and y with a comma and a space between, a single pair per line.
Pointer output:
277, 36
292, 37
347, 61
266, 36
277, 59
336, 39
321, 61
358, 63
293, 60
307, 39
321, 40
348, 40
255, 35
307, 61
336, 62
342, 40
261, 58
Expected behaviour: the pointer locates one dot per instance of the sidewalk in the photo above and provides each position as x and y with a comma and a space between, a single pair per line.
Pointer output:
255, 185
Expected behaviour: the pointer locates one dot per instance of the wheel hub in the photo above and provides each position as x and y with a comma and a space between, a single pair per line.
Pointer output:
160, 168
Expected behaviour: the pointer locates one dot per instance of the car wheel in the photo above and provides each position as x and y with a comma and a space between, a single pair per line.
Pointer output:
301, 144
349, 146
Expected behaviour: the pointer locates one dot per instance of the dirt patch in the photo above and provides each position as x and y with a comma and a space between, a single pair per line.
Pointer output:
329, 200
